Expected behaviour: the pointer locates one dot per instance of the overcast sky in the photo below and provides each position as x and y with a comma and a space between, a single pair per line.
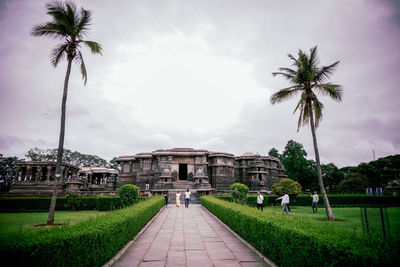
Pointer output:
197, 74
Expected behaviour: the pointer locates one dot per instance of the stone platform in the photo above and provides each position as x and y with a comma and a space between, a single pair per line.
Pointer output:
189, 237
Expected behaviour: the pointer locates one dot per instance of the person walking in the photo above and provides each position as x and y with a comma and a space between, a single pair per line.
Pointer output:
260, 200
166, 198
187, 198
178, 199
315, 200
284, 203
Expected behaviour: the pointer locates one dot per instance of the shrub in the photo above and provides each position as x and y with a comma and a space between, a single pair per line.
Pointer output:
239, 192
286, 186
128, 193
291, 241
353, 183
73, 201
89, 243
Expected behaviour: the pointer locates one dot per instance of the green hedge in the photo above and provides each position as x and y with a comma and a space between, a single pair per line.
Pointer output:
290, 241
18, 204
335, 200
89, 243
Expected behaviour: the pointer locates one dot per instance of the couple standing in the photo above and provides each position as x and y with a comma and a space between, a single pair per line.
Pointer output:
187, 198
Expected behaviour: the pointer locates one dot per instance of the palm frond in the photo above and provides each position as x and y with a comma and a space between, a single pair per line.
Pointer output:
317, 107
79, 59
287, 76
333, 90
84, 22
313, 60
324, 72
284, 94
301, 102
95, 48
57, 54
49, 29
57, 11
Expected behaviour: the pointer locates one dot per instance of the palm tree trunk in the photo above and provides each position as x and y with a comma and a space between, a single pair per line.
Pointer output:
329, 212
50, 219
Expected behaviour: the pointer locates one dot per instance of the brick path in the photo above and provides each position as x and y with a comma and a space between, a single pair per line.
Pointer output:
188, 237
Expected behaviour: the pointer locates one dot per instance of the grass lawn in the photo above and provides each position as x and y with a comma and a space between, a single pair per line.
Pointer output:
349, 219
25, 221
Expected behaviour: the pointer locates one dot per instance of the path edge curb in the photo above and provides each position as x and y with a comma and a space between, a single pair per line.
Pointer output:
266, 260
127, 246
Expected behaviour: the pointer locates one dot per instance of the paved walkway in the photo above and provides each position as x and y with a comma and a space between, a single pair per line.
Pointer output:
188, 237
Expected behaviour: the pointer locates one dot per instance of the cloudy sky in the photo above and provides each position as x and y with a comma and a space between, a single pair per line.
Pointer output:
186, 73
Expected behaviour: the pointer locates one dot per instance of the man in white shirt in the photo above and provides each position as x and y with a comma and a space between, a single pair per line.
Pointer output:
260, 200
187, 198
284, 203
315, 200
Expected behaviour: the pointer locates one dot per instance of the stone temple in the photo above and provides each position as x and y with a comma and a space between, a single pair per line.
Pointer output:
165, 170
201, 171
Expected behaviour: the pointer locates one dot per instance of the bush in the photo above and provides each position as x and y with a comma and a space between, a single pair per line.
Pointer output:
73, 201
24, 204
239, 192
89, 243
286, 186
128, 193
293, 241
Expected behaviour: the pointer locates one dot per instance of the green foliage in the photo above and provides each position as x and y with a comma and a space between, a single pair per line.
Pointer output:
286, 186
89, 243
332, 176
71, 157
353, 183
290, 241
128, 193
379, 172
298, 167
274, 153
238, 191
73, 201
7, 171
101, 203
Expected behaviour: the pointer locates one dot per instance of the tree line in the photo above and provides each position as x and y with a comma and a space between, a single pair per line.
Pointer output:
350, 179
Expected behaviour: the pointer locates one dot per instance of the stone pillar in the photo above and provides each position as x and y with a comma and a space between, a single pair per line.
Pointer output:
17, 178
38, 175
28, 173
49, 170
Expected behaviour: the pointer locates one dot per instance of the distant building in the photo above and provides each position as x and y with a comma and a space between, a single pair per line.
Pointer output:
203, 170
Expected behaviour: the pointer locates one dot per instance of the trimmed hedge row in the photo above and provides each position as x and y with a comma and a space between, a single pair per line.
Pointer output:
102, 203
89, 243
334, 200
290, 241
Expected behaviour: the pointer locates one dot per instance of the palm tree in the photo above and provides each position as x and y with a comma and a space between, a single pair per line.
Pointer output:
69, 26
307, 78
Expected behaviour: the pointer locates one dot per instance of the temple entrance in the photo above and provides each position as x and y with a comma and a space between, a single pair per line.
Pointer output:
183, 172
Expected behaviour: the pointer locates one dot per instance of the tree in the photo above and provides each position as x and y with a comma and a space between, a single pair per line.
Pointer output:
353, 183
297, 166
274, 153
307, 78
7, 171
239, 192
286, 186
71, 157
128, 194
69, 26
332, 176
